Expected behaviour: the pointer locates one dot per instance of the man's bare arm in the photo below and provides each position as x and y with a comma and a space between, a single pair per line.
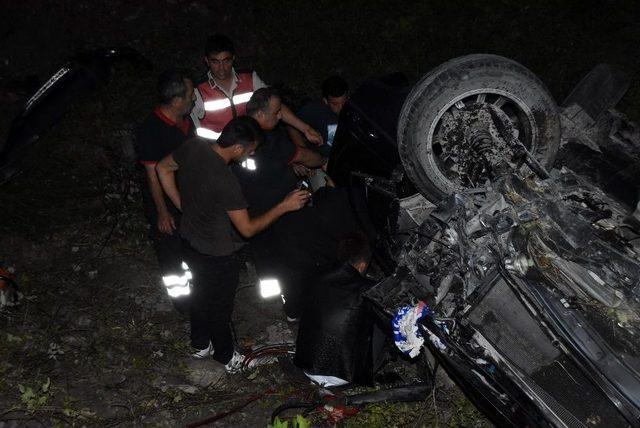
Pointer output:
290, 118
296, 136
249, 227
165, 220
308, 158
166, 169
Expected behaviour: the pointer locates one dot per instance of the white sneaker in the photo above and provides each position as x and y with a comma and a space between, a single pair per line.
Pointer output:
235, 363
204, 353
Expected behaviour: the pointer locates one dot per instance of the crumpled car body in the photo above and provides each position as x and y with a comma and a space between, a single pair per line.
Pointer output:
532, 280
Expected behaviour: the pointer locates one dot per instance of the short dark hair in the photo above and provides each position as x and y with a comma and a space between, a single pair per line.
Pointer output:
217, 43
242, 130
171, 84
354, 248
334, 86
260, 100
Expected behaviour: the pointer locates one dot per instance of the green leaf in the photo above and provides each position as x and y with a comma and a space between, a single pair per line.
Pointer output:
46, 385
301, 422
27, 395
13, 339
72, 413
277, 423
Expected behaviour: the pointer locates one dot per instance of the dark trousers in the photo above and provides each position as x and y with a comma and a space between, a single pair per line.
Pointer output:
215, 279
168, 248
303, 245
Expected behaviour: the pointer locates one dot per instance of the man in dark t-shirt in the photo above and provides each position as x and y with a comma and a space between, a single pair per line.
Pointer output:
213, 205
164, 130
270, 176
300, 245
266, 178
323, 114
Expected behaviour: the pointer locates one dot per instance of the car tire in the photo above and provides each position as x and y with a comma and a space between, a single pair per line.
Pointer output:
461, 85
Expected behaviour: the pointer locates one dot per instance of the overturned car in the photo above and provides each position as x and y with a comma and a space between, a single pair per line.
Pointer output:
529, 275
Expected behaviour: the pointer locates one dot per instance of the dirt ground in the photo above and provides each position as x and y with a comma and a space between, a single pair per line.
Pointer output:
95, 341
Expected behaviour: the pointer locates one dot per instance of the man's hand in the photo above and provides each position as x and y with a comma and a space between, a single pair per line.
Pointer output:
248, 226
166, 223
291, 119
313, 136
295, 200
329, 182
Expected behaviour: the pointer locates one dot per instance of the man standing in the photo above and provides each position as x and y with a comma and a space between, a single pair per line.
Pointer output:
282, 251
212, 204
224, 93
163, 131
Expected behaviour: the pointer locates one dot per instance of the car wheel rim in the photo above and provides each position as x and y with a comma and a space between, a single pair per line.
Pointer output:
463, 148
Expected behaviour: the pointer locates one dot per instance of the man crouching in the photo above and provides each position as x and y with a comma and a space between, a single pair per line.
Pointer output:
212, 203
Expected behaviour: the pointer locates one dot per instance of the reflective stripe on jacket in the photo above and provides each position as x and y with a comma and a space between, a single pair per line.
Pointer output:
220, 109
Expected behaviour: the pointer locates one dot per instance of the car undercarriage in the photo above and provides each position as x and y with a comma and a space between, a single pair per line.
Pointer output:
531, 280
530, 271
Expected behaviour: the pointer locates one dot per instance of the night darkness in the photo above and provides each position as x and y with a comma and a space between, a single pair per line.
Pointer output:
93, 342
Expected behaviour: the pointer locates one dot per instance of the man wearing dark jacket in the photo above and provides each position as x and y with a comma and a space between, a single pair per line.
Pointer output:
334, 338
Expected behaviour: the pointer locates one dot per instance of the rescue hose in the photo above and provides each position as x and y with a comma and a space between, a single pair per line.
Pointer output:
413, 392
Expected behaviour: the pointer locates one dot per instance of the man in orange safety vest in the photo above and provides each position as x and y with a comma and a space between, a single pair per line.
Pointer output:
224, 92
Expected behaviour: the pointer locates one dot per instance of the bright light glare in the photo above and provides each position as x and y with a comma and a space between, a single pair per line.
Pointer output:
207, 133
224, 102
250, 164
242, 98
217, 104
171, 280
178, 285
269, 288
178, 291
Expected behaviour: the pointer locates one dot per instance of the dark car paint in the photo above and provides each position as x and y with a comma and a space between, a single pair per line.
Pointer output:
46, 107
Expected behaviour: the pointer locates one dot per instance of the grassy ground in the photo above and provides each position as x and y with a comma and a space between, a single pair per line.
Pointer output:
94, 341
